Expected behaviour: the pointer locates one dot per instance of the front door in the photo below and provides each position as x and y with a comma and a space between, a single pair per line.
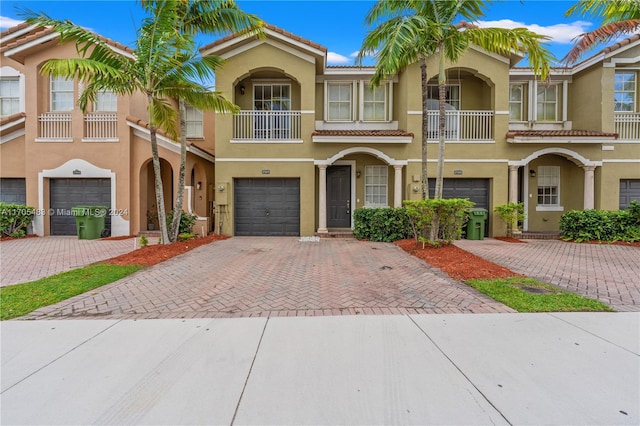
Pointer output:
339, 197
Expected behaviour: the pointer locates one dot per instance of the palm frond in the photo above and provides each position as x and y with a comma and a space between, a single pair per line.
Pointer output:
604, 34
609, 11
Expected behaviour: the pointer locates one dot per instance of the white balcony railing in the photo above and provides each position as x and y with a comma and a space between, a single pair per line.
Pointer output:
55, 126
100, 126
627, 125
267, 125
463, 125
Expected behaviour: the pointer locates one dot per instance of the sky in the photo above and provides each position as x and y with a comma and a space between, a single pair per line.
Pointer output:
335, 24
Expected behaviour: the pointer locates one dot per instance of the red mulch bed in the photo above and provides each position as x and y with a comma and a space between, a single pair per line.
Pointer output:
154, 254
455, 262
509, 240
122, 237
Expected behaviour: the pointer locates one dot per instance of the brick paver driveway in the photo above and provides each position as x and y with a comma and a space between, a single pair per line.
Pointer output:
279, 277
609, 273
29, 259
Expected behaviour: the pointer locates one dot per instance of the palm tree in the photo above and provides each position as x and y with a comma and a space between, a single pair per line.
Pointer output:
165, 66
619, 17
208, 17
415, 29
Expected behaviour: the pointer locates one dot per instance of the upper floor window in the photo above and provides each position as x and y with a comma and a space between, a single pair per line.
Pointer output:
61, 94
193, 122
9, 96
452, 94
106, 101
339, 101
548, 186
624, 92
375, 186
272, 97
374, 103
547, 101
515, 102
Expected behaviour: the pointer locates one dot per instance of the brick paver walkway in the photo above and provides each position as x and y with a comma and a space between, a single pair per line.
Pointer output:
609, 273
33, 258
279, 277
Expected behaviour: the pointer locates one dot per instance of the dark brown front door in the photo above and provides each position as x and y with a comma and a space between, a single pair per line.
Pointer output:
339, 197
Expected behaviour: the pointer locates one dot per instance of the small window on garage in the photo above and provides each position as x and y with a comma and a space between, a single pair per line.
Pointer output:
375, 186
548, 188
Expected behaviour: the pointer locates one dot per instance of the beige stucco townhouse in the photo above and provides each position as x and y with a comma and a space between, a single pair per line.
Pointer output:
313, 142
54, 157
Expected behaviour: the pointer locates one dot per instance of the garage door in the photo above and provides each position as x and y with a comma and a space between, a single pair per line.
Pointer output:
477, 190
629, 191
68, 193
269, 207
13, 190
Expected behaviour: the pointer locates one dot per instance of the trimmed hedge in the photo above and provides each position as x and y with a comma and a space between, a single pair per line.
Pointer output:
14, 219
602, 225
438, 220
381, 224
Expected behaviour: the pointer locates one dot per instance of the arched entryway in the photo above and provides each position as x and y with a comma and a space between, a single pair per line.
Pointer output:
356, 177
148, 206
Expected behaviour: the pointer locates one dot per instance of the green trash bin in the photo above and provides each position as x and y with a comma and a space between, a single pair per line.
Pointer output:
475, 225
90, 221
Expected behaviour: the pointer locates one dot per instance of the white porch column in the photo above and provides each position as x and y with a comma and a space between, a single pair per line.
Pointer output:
322, 199
589, 193
513, 184
397, 187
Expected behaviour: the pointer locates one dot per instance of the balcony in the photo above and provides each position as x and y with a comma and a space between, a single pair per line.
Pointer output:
100, 127
627, 125
267, 126
55, 127
463, 126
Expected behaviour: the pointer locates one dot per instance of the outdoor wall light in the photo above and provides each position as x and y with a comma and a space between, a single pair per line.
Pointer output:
358, 173
532, 173
220, 188
242, 90
416, 188
199, 185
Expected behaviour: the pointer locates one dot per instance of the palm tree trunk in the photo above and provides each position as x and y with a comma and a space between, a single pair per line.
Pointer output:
425, 127
442, 93
177, 211
157, 173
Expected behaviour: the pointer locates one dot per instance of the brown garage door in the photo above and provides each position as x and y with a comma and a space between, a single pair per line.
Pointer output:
267, 207
68, 193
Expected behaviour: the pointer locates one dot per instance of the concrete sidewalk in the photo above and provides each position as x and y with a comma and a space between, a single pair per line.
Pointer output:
572, 368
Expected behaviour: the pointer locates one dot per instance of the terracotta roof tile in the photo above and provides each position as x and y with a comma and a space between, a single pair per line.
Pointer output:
272, 28
559, 134
14, 29
621, 43
360, 133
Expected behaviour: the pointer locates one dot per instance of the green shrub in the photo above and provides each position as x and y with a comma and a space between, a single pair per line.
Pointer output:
14, 219
381, 224
601, 225
437, 220
511, 213
186, 222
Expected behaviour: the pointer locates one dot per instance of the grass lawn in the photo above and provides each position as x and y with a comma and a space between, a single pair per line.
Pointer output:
528, 295
20, 299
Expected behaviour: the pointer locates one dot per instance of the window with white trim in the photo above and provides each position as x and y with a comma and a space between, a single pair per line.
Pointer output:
515, 102
624, 92
374, 104
61, 94
375, 186
194, 120
9, 96
547, 103
106, 101
339, 101
548, 186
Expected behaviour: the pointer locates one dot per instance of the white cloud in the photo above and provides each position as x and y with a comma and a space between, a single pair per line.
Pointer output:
6, 22
336, 58
559, 33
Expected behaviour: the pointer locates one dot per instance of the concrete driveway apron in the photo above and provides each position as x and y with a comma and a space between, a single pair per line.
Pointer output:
258, 277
